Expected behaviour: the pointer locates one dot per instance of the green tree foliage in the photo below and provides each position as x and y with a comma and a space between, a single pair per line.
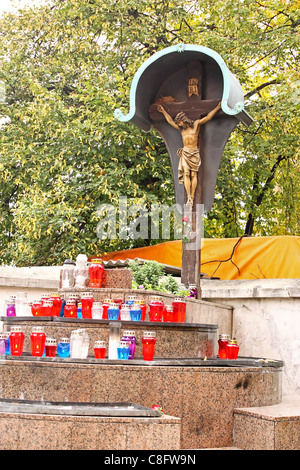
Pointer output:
68, 64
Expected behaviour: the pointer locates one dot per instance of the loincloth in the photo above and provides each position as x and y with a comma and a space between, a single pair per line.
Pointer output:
189, 159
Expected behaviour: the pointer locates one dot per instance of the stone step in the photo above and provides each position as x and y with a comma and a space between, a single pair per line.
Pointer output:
29, 425
202, 394
275, 427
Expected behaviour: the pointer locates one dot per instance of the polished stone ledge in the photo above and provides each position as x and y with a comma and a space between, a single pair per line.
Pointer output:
76, 409
210, 364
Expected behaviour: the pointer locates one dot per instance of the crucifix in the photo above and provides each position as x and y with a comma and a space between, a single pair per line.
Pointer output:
178, 91
187, 117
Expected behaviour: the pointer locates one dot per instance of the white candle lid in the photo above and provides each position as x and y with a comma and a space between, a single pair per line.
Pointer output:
50, 341
16, 329
38, 329
64, 340
149, 334
86, 295
129, 333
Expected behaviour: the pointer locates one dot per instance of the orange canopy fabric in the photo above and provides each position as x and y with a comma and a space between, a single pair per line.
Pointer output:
256, 257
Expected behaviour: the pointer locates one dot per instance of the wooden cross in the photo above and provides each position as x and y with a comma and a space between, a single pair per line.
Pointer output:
195, 108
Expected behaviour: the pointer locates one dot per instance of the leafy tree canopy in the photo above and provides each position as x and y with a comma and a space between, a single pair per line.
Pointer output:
67, 65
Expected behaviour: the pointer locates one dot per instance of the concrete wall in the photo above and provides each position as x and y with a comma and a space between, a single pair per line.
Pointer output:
266, 320
264, 314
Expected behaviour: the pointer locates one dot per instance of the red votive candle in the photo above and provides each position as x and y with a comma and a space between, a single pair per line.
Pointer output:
168, 313
47, 308
142, 304
99, 349
223, 341
16, 340
232, 349
57, 301
36, 308
156, 307
148, 341
179, 309
37, 341
70, 310
105, 306
96, 270
87, 300
50, 347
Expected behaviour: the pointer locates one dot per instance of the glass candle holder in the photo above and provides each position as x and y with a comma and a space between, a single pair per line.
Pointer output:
123, 350
36, 308
143, 307
37, 341
114, 339
148, 342
129, 337
97, 310
223, 341
79, 310
20, 298
68, 274
179, 309
113, 311
70, 310
232, 349
96, 270
16, 340
47, 308
125, 312
56, 301
156, 307
99, 349
135, 312
63, 347
3, 344
81, 271
87, 300
63, 303
50, 347
168, 313
7, 352
10, 307
79, 344
105, 305
193, 292
26, 308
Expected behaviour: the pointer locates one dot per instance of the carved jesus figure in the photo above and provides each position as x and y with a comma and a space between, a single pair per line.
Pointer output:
189, 155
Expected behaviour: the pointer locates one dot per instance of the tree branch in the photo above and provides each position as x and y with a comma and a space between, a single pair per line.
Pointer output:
259, 198
228, 259
261, 87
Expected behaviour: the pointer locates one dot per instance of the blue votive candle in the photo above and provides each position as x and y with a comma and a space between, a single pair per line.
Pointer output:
113, 312
63, 347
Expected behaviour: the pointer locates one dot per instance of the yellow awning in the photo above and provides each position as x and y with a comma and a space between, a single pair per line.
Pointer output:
256, 257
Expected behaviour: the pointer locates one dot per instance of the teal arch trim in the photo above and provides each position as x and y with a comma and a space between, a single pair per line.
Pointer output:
230, 83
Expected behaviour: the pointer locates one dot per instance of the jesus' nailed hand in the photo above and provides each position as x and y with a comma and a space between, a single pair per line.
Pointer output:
189, 155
